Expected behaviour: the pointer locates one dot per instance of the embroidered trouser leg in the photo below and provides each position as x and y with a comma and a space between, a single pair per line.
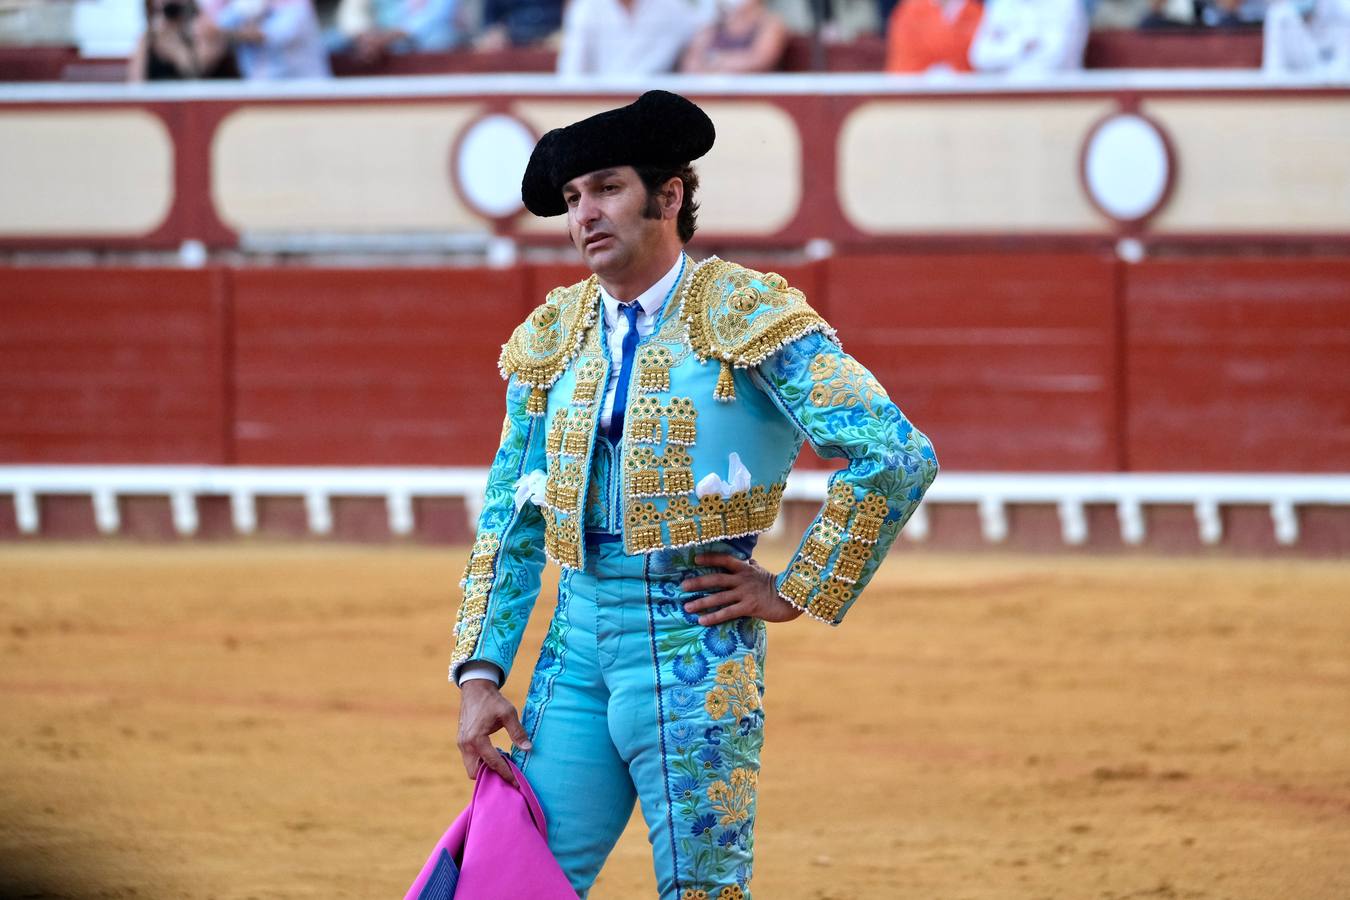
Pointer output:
633, 698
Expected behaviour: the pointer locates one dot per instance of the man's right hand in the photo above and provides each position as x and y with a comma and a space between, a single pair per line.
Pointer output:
482, 712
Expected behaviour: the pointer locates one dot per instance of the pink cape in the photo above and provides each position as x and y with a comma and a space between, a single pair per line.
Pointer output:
499, 847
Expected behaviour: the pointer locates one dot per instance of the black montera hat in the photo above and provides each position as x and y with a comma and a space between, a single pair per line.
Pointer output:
657, 129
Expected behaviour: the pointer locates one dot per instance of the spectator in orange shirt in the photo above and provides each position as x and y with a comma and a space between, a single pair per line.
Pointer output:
931, 35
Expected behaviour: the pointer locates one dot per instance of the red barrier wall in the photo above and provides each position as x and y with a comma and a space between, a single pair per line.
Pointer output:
1238, 365
112, 366
1034, 362
362, 367
1005, 361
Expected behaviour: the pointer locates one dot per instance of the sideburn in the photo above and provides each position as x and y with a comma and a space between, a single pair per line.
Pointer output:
653, 208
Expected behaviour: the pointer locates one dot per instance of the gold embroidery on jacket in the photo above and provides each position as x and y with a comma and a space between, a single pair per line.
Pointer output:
677, 474
654, 362
741, 317
820, 542
839, 503
866, 525
577, 441
484, 555
553, 443
764, 503
843, 383
738, 513
562, 538
800, 582
642, 421
643, 472
544, 345
852, 557
587, 387
712, 516
681, 523
479, 573
830, 599
681, 421
563, 487
643, 529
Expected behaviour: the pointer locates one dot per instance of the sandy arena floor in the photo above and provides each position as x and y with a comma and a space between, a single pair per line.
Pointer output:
273, 722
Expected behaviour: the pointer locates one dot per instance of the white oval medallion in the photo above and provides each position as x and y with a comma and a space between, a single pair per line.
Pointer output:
1127, 167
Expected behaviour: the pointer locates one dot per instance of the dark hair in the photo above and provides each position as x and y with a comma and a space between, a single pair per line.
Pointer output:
653, 177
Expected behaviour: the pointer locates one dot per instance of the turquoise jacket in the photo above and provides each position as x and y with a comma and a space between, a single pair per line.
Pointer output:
739, 369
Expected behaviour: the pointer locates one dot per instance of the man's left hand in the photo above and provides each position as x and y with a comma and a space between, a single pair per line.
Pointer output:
745, 589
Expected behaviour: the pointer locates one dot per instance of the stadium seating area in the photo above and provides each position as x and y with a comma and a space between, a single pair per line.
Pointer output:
1107, 49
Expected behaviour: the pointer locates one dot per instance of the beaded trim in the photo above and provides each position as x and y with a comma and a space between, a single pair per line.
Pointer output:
544, 345
479, 573
741, 317
689, 521
823, 577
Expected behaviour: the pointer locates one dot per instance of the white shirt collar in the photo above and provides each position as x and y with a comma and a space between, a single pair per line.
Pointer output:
649, 300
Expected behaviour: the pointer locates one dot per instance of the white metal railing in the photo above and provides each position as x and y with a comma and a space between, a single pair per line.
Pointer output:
512, 84
991, 493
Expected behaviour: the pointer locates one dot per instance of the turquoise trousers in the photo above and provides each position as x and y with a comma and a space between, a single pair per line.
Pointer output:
633, 699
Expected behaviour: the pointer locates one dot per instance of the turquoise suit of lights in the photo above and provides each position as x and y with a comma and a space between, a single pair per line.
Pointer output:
631, 698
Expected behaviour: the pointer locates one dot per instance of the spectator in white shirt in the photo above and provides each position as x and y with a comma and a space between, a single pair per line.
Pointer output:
628, 37
275, 39
1302, 40
1026, 37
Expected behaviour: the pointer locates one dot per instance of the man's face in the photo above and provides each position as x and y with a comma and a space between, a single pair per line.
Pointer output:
606, 221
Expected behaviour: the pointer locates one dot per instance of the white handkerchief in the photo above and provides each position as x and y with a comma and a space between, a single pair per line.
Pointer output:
738, 476
738, 479
530, 487
708, 485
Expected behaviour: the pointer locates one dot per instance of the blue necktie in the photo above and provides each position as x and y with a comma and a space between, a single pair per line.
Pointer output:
630, 311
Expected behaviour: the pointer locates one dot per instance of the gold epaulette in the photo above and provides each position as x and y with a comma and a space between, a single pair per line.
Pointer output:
741, 317
544, 345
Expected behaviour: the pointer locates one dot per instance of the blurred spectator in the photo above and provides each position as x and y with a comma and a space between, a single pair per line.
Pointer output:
1167, 14
178, 43
931, 35
275, 39
373, 29
518, 23
1219, 13
746, 37
627, 37
1307, 37
1022, 37
840, 20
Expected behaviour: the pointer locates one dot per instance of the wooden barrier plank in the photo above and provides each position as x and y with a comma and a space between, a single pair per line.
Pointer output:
1238, 365
111, 366
1006, 362
371, 367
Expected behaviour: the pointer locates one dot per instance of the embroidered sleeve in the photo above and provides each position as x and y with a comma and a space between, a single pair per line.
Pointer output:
502, 578
844, 412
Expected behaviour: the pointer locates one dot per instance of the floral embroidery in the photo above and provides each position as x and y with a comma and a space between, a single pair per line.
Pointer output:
711, 690
843, 381
736, 689
734, 800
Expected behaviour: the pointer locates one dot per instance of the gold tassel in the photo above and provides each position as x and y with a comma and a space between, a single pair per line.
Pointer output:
537, 405
726, 384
